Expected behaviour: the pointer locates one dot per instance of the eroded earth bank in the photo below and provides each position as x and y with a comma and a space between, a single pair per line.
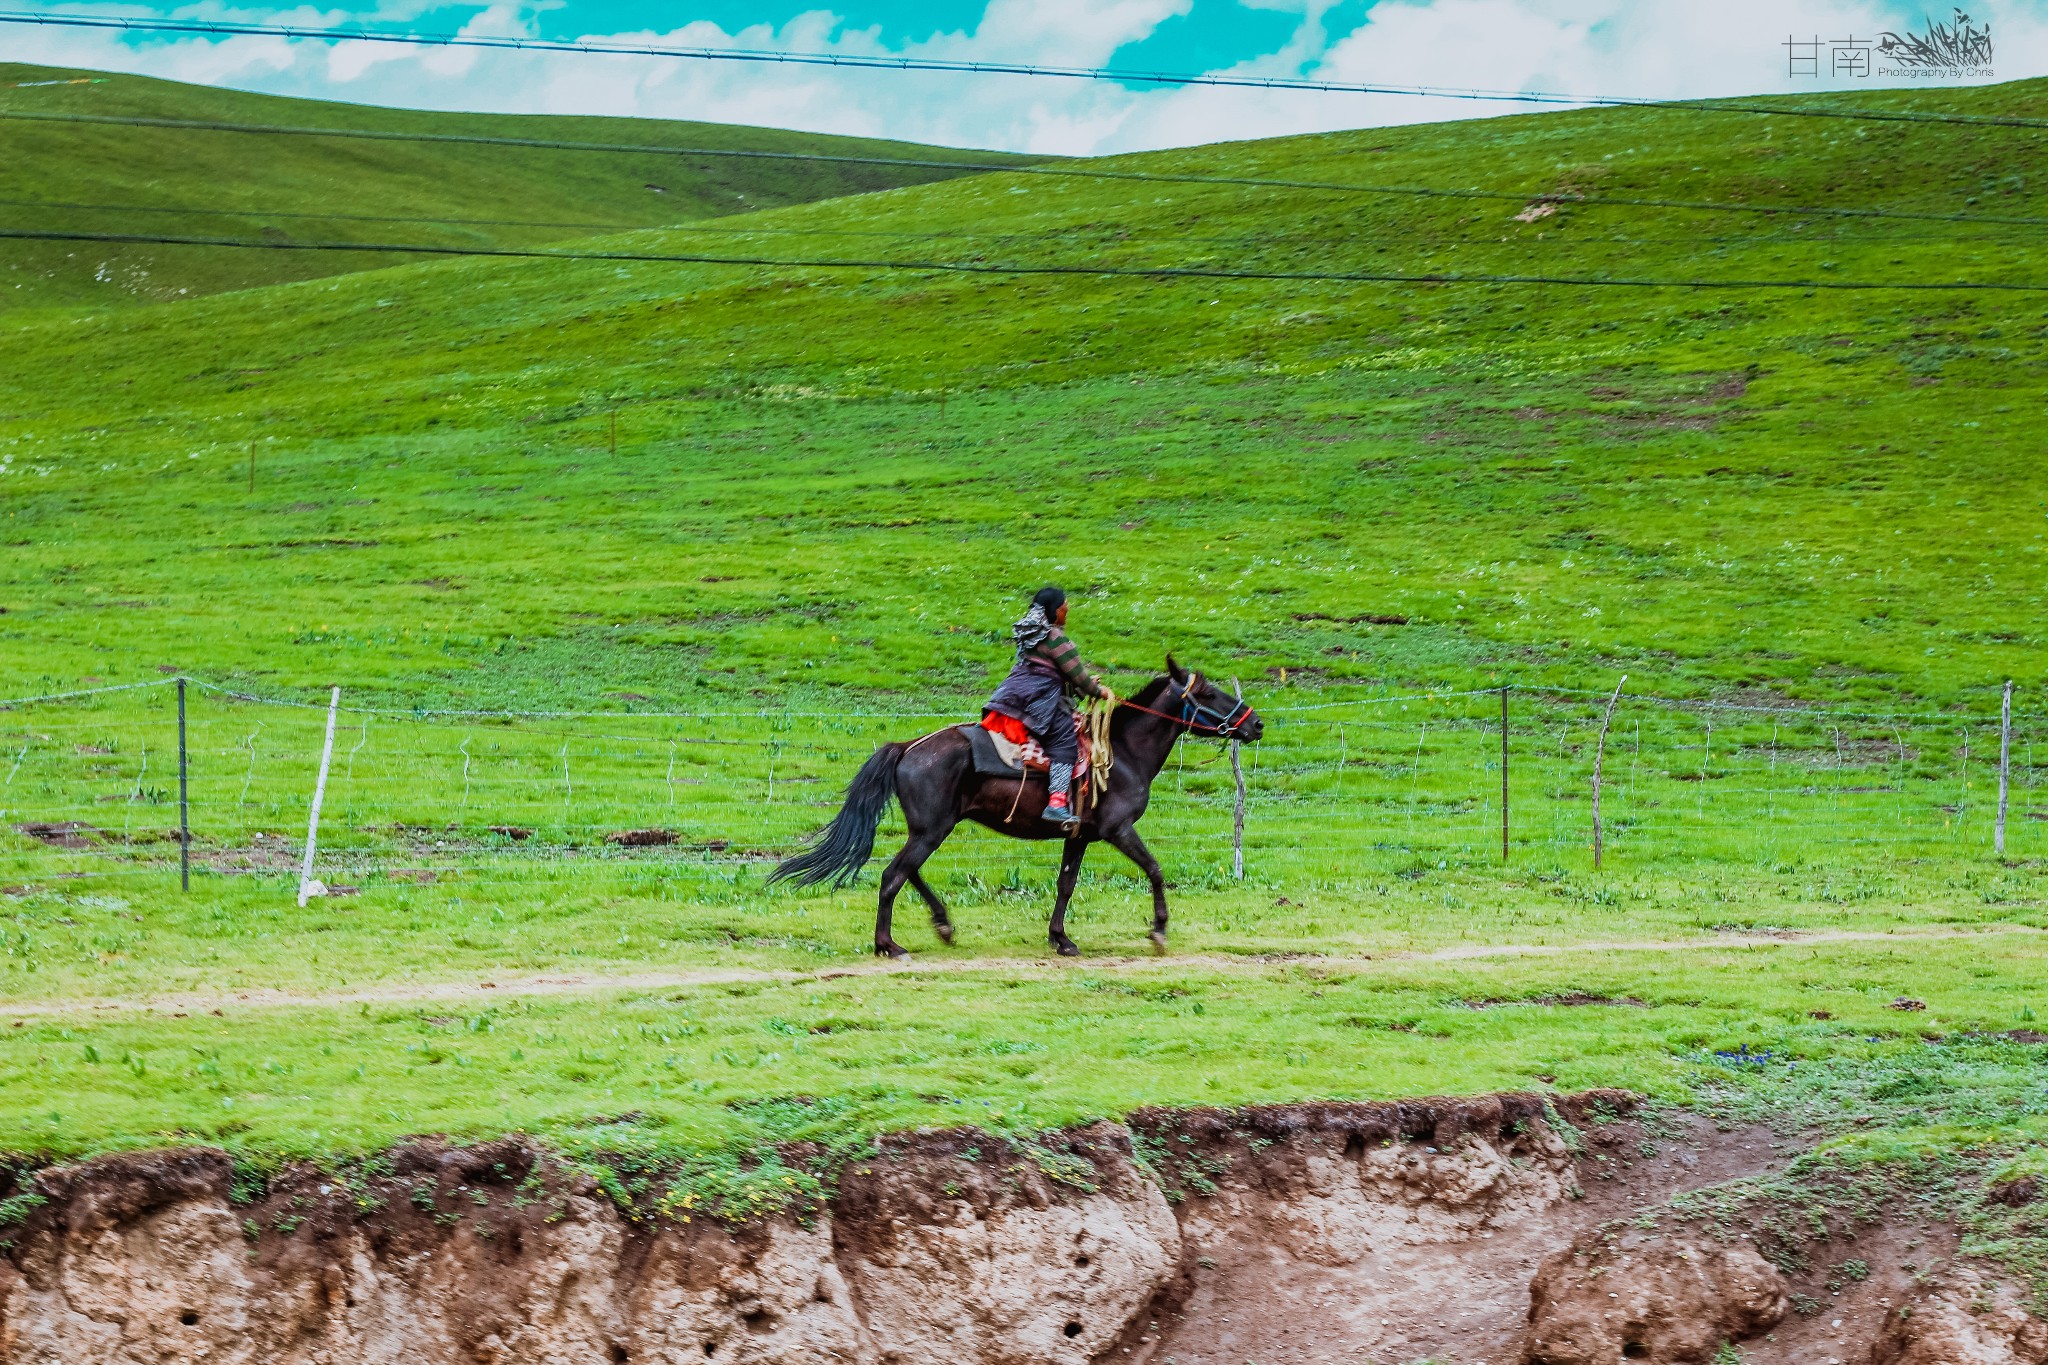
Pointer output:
1492, 1230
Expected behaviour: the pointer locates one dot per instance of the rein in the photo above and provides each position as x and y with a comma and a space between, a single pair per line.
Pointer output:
1191, 710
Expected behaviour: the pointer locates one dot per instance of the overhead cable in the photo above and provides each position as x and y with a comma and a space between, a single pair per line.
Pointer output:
221, 28
1067, 169
1159, 272
226, 212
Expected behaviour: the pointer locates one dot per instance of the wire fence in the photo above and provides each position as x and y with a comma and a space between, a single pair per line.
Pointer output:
1336, 788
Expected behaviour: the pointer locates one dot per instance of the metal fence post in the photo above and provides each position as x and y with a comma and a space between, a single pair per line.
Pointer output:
2004, 765
184, 802
1504, 773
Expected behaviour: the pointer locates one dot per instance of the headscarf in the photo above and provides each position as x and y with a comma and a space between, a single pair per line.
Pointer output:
1031, 628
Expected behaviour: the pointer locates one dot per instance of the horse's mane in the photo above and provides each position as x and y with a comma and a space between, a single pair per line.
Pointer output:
1147, 695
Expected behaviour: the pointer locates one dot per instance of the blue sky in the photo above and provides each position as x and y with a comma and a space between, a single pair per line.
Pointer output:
1207, 35
1667, 49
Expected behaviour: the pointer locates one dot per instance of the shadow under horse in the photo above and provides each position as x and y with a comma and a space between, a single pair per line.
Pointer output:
934, 779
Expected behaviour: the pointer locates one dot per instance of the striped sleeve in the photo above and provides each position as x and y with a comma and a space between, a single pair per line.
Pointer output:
1067, 658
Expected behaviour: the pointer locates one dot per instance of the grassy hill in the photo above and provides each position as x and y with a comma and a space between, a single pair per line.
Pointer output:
194, 182
830, 490
1827, 492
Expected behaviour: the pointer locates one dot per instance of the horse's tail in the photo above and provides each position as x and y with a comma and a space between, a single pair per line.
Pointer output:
839, 851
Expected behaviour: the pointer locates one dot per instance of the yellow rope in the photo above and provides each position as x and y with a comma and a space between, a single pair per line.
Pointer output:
1097, 713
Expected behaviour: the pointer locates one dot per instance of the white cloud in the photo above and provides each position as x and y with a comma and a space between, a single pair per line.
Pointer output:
1580, 47
1575, 47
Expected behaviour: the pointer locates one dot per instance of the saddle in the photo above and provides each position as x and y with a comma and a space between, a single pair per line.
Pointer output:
998, 756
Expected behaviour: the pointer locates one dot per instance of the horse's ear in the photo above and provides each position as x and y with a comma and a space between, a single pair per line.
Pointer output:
1174, 670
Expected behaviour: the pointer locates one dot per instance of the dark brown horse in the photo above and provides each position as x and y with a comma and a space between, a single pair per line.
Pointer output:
935, 780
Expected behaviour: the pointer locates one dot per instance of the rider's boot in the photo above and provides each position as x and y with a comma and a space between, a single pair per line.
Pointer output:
1059, 808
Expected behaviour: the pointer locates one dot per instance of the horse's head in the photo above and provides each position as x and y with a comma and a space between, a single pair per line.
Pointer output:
1207, 709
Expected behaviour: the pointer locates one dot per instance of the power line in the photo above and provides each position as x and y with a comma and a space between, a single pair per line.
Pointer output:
488, 140
982, 268
86, 692
224, 28
319, 217
1048, 168
448, 718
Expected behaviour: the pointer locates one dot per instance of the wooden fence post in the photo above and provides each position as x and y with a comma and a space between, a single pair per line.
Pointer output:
1599, 759
1237, 809
1237, 815
2004, 764
319, 794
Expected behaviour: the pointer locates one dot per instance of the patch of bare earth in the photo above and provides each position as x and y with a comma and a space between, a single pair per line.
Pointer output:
1622, 1294
1459, 1231
1440, 1266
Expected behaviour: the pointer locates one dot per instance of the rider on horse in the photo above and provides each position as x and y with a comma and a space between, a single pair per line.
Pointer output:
1034, 697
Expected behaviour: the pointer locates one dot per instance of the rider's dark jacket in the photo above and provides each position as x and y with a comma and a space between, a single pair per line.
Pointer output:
1047, 670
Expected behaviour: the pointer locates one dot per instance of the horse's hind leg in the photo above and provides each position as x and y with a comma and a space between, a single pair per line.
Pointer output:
942, 923
904, 868
1070, 872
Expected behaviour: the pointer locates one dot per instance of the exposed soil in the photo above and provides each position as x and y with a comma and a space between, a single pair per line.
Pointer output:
1362, 619
1676, 1294
643, 838
1849, 753
63, 833
1446, 1285
1493, 1231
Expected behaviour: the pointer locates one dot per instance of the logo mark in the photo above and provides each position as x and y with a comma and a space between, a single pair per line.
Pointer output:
1946, 50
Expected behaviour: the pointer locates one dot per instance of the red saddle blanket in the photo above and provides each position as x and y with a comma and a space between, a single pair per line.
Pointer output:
1018, 746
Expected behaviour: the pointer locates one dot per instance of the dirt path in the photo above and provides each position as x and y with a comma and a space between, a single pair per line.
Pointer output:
501, 987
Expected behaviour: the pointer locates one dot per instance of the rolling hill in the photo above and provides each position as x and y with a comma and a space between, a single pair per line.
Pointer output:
1711, 486
116, 178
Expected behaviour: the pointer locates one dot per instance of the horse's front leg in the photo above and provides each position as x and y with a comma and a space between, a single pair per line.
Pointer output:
1126, 841
1070, 872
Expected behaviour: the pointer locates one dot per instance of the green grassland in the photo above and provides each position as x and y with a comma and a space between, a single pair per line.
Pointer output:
196, 182
866, 455
1013, 1048
830, 490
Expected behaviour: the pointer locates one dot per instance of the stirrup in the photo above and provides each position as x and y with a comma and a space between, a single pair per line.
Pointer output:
1062, 816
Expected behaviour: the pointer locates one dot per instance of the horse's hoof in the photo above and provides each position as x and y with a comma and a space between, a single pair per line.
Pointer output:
891, 950
1158, 937
1067, 949
944, 931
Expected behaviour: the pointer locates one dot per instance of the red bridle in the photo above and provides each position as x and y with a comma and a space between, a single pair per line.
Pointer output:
1191, 711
